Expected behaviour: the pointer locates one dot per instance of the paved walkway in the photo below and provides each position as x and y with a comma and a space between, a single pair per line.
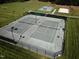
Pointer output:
54, 11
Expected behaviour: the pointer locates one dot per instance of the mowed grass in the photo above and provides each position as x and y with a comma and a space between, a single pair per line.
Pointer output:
8, 51
71, 48
11, 11
72, 39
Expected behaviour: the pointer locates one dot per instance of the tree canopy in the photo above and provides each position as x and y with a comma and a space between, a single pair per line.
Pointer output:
64, 2
6, 1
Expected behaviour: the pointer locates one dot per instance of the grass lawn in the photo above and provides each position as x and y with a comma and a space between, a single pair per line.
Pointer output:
72, 39
71, 49
14, 52
11, 11
49, 12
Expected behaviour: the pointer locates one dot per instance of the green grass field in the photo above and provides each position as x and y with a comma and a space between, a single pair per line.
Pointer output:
72, 39
11, 11
9, 51
71, 49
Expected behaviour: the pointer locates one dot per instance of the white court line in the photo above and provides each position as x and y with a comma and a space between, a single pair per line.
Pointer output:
54, 11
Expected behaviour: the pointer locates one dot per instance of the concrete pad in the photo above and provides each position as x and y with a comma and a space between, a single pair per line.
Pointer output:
63, 10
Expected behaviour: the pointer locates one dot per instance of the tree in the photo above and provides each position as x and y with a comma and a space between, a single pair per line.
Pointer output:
6, 1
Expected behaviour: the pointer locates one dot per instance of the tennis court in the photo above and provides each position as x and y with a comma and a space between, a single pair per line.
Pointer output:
40, 33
